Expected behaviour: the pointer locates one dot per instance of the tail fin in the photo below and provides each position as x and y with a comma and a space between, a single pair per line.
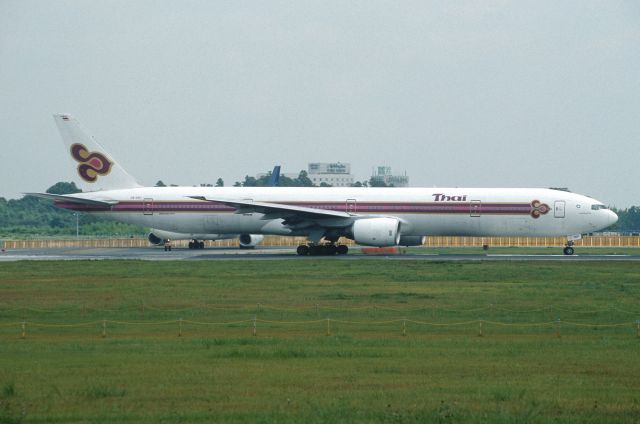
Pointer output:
97, 169
274, 181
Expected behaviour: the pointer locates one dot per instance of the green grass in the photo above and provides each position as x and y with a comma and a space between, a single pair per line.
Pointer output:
524, 368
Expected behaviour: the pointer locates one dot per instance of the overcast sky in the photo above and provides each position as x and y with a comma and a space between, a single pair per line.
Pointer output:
470, 93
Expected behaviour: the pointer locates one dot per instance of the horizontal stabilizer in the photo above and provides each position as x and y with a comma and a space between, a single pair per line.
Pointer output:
73, 199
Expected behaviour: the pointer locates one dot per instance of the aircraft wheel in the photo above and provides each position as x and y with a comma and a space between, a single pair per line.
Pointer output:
331, 249
568, 250
190, 245
302, 250
201, 245
342, 249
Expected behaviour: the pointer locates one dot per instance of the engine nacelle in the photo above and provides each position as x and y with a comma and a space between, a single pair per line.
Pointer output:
154, 239
249, 241
412, 240
379, 232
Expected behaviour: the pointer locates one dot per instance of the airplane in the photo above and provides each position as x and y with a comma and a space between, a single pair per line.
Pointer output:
369, 216
158, 237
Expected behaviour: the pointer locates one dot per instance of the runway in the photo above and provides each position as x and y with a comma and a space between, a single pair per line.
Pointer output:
213, 254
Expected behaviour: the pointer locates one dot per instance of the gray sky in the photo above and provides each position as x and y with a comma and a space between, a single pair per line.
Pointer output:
470, 93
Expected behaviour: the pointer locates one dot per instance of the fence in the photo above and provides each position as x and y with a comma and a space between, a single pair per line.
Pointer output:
589, 241
315, 320
273, 241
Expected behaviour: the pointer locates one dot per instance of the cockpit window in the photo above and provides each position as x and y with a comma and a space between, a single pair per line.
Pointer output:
597, 207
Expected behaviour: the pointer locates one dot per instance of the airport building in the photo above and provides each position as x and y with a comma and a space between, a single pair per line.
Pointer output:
383, 174
335, 174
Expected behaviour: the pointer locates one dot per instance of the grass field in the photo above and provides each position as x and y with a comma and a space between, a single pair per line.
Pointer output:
559, 341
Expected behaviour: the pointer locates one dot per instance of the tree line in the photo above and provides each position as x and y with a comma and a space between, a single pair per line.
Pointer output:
35, 217
302, 180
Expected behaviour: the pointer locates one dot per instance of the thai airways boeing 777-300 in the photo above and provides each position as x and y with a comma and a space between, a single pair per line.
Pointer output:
369, 216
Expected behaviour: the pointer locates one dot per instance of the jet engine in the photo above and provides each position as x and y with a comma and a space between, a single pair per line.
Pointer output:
154, 239
249, 241
377, 231
412, 240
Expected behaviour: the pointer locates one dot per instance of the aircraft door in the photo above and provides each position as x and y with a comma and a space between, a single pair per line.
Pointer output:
475, 208
351, 206
147, 206
558, 210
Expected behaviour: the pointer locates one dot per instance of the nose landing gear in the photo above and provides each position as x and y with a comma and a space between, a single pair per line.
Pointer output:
568, 250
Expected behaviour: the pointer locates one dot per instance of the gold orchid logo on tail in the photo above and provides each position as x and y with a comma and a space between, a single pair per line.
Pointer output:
538, 208
91, 164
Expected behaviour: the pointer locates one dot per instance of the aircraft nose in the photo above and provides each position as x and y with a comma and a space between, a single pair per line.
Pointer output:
612, 217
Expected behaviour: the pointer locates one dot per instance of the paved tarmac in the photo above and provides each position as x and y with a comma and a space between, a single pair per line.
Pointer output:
265, 253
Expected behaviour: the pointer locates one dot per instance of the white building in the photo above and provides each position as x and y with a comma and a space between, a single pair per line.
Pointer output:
335, 174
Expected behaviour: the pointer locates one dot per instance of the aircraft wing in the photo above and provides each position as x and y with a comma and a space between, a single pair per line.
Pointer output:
291, 214
73, 199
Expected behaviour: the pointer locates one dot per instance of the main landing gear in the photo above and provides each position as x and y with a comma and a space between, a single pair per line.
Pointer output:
195, 244
568, 250
328, 249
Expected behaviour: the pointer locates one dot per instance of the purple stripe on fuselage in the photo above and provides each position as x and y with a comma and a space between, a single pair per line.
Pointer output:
81, 207
377, 207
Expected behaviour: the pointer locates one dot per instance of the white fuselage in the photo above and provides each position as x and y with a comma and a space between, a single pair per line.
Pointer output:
422, 211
